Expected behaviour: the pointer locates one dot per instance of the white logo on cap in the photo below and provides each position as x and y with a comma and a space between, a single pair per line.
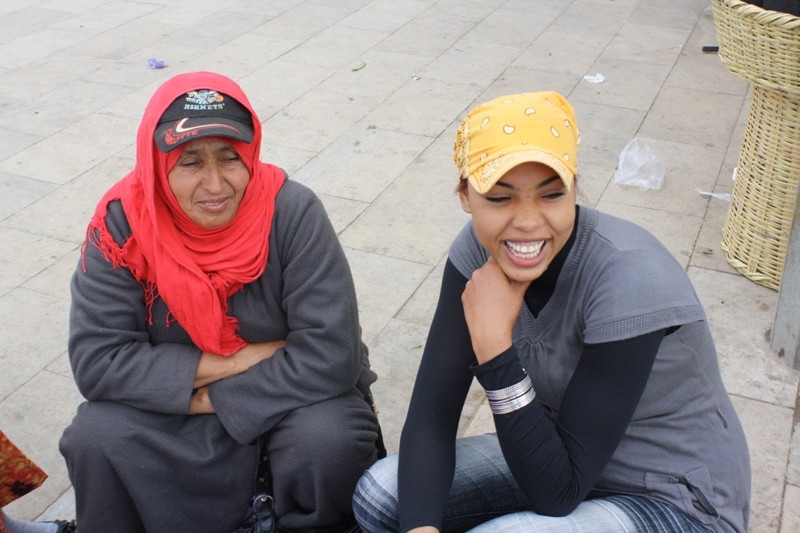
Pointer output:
180, 129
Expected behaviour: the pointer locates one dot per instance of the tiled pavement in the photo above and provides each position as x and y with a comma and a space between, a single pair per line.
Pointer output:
360, 100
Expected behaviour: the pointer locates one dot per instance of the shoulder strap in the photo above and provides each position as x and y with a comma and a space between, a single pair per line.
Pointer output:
263, 483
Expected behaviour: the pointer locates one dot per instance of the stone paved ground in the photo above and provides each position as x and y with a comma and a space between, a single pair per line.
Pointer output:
375, 143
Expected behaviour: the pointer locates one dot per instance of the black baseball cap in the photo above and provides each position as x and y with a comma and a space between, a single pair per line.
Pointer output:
203, 113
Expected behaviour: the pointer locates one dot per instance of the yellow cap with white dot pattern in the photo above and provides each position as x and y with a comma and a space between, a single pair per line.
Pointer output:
498, 135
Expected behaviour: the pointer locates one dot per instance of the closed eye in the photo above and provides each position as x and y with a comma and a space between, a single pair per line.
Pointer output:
496, 199
189, 163
554, 195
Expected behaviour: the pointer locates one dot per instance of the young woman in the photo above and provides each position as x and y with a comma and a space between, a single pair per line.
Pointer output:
213, 304
592, 347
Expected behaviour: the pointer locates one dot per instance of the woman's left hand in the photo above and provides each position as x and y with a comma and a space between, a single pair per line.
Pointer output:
491, 305
200, 403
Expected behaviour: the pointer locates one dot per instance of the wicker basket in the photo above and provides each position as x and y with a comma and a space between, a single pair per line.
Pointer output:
758, 45
763, 47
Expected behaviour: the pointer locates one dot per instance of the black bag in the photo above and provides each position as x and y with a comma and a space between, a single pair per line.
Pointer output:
260, 517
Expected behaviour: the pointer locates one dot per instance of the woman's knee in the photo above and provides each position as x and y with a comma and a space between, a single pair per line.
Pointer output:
341, 431
95, 428
375, 497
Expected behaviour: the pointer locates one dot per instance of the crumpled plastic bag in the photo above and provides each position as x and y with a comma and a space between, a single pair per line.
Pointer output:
154, 62
640, 166
597, 78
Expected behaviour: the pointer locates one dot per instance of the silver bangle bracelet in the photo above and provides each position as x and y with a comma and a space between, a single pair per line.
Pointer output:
511, 398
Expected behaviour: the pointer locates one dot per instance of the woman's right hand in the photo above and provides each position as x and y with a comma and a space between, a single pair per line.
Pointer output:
424, 529
492, 303
214, 367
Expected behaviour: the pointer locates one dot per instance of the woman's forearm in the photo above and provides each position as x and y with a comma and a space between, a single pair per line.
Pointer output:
213, 367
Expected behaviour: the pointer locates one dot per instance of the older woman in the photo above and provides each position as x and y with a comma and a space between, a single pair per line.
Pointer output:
592, 347
213, 304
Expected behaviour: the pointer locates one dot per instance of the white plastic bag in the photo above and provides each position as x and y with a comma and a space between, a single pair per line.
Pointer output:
640, 166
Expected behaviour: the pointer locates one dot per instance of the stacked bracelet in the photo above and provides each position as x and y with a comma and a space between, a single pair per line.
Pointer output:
511, 398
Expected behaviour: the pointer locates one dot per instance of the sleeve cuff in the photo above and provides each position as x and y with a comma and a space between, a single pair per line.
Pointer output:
501, 372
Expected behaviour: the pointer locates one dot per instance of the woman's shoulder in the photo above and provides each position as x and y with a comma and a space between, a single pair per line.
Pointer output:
298, 209
294, 195
605, 238
612, 250
466, 252
117, 222
618, 232
630, 282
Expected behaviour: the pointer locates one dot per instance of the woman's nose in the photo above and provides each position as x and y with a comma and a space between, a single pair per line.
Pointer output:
527, 215
213, 180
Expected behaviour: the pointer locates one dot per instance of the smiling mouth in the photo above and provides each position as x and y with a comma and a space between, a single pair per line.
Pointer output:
524, 250
214, 204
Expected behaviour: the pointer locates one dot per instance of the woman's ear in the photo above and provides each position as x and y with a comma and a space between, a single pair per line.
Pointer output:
463, 195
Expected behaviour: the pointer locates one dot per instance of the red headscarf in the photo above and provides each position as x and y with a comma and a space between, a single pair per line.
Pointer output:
194, 269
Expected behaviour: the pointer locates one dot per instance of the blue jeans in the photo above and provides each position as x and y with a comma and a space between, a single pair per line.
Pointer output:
484, 498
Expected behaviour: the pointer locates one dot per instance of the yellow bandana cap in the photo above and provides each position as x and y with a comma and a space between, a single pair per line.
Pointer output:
519, 128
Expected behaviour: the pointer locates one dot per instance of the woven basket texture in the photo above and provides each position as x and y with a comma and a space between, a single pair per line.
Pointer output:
763, 47
759, 45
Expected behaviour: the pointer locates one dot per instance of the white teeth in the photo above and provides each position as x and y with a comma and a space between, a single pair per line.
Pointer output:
527, 250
